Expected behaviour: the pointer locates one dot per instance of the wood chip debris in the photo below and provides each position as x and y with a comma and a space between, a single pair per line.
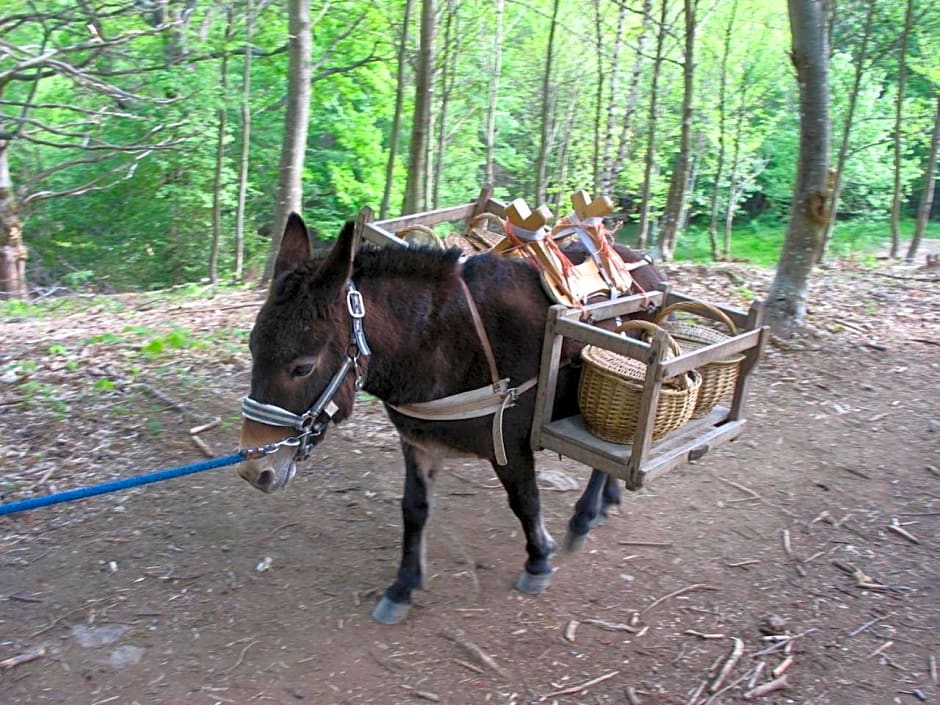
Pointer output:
25, 657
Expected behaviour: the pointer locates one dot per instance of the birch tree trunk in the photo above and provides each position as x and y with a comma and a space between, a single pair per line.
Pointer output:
679, 184
296, 118
722, 130
449, 60
246, 145
489, 170
418, 148
786, 300
396, 118
651, 130
221, 130
843, 156
633, 96
926, 196
12, 249
896, 201
545, 123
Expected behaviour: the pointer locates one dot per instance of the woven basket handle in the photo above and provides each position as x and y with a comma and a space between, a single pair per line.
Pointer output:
481, 218
683, 381
698, 307
428, 236
649, 328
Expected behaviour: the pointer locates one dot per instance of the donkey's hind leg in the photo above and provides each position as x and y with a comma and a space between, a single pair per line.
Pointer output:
602, 491
518, 477
421, 466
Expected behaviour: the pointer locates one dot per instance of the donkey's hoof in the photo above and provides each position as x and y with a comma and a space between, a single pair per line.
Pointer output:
532, 584
574, 542
388, 612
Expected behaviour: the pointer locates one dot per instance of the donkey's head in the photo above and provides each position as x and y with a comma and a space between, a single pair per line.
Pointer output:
304, 356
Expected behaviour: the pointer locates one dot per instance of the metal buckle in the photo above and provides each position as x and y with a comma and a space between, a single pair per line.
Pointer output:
355, 304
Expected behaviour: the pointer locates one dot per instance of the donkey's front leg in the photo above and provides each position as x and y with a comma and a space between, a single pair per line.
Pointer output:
421, 466
518, 477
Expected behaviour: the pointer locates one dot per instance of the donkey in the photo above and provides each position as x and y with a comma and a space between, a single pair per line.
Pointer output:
412, 325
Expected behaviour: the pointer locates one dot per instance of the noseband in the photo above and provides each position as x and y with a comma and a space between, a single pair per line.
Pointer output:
314, 421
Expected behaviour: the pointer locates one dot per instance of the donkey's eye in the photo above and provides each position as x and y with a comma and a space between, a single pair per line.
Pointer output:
301, 370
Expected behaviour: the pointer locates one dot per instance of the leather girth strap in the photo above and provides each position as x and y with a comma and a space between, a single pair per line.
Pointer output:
492, 399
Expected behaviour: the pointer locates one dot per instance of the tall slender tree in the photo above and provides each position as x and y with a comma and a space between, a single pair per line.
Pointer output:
930, 182
296, 119
415, 187
722, 131
786, 300
545, 115
496, 56
679, 183
898, 197
395, 136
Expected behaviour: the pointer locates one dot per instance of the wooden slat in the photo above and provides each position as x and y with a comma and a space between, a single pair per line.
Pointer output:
429, 218
710, 353
620, 307
571, 438
593, 335
379, 236
548, 377
737, 316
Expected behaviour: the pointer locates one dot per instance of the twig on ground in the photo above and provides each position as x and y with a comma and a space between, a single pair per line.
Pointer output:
932, 668
742, 564
785, 537
733, 657
631, 695
881, 649
476, 652
659, 544
610, 626
570, 630
203, 446
579, 688
675, 593
783, 666
196, 430
776, 684
241, 656
701, 635
896, 527
26, 657
867, 625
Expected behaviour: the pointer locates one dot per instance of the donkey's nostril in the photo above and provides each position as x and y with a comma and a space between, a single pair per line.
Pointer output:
265, 479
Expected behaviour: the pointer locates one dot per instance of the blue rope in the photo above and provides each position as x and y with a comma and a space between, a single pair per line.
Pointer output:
82, 492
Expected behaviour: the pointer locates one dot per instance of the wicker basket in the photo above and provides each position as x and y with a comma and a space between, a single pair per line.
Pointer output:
718, 377
421, 235
612, 388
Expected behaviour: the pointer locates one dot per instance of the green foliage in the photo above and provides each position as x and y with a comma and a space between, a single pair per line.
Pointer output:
143, 219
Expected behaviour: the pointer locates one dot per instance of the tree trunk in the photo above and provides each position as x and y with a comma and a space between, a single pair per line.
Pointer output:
246, 146
493, 98
841, 160
396, 119
926, 196
651, 130
418, 150
297, 116
613, 88
12, 249
449, 60
722, 129
221, 130
545, 127
633, 96
679, 184
599, 92
897, 200
786, 300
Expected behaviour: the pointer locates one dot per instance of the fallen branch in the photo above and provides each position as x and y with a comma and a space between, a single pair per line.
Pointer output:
579, 688
196, 430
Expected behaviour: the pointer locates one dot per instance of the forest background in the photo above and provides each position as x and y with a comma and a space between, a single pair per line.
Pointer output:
141, 142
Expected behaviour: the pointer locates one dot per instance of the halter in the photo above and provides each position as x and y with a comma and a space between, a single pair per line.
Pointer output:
314, 421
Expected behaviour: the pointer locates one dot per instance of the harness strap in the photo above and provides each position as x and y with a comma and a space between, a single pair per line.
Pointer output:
481, 332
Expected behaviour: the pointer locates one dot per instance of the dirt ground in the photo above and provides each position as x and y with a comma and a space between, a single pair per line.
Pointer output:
810, 545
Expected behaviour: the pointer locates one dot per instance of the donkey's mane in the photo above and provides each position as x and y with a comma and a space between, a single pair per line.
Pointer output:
415, 263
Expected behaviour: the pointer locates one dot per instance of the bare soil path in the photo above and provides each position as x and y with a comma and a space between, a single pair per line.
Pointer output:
808, 548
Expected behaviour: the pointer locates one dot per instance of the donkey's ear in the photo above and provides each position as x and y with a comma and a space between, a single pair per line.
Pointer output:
337, 267
296, 245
